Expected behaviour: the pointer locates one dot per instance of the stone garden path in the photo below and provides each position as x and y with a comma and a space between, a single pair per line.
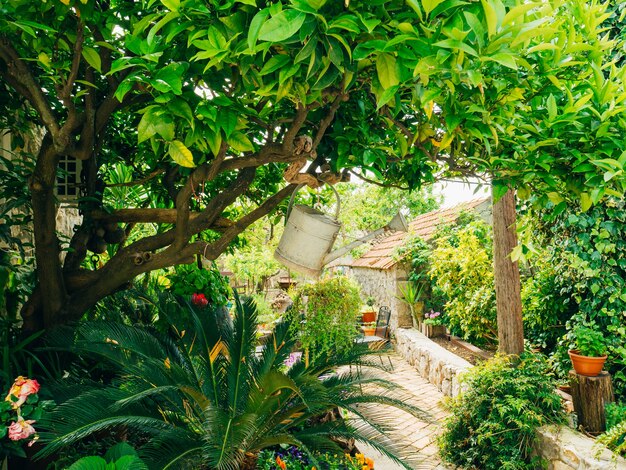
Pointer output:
417, 438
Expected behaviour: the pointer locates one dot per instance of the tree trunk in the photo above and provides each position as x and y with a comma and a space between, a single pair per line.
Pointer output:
507, 277
49, 273
590, 395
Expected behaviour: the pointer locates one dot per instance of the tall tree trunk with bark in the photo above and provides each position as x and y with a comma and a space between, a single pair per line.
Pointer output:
507, 277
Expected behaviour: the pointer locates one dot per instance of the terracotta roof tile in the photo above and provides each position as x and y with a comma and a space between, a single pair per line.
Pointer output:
380, 255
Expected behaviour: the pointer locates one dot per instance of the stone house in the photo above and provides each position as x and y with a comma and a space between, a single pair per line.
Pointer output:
379, 271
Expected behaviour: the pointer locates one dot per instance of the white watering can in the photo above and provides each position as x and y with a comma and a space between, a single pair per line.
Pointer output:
309, 236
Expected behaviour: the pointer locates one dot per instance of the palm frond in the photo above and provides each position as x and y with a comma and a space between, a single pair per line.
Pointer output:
241, 350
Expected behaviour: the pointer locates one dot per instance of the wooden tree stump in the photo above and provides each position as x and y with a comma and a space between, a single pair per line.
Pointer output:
590, 395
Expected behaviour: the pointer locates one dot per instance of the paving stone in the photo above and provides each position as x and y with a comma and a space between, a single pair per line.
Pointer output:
416, 437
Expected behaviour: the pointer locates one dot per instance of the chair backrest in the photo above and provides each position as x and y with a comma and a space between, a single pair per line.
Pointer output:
382, 321
384, 314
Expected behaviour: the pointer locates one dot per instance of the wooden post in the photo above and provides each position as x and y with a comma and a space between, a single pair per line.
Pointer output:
590, 395
507, 277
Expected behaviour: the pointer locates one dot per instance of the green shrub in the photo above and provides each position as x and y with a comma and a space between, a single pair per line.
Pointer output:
189, 279
589, 342
205, 397
329, 310
461, 266
266, 314
585, 276
119, 457
492, 423
615, 436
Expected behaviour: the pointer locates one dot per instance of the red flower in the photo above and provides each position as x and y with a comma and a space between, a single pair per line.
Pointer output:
199, 299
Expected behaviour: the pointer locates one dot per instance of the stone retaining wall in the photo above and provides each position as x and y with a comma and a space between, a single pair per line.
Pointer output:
566, 449
436, 364
562, 447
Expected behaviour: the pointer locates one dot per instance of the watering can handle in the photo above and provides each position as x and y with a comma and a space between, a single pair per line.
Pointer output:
293, 197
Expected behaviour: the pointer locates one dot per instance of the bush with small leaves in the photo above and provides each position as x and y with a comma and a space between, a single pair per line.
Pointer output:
492, 423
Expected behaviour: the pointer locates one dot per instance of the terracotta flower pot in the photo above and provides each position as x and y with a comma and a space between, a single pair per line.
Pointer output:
586, 365
369, 330
368, 317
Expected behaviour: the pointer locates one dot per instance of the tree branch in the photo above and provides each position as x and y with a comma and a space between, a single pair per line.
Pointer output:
153, 216
296, 125
19, 77
200, 175
65, 92
213, 250
138, 182
328, 119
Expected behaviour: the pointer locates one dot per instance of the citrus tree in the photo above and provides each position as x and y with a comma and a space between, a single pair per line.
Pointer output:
212, 103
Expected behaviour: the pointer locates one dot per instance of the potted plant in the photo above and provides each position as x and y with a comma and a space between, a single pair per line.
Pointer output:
590, 354
369, 328
433, 325
369, 314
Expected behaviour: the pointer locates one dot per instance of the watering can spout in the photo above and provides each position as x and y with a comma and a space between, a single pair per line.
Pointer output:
397, 224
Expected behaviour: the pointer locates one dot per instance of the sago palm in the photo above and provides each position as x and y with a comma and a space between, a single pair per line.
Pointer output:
207, 397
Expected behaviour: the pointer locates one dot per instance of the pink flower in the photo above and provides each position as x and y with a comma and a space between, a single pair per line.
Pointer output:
199, 299
21, 429
20, 390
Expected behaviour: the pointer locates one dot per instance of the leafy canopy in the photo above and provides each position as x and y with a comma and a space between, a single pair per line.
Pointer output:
526, 91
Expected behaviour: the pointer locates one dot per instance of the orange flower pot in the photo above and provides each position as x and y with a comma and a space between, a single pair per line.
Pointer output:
368, 317
369, 331
586, 365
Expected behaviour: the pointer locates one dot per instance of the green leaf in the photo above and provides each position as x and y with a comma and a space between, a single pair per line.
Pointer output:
122, 89
227, 121
387, 96
503, 58
491, 16
430, 5
255, 27
516, 12
275, 63
152, 123
555, 198
93, 58
551, 106
118, 451
129, 462
89, 463
387, 70
316, 4
181, 154
44, 59
585, 201
499, 190
456, 44
169, 79
282, 26
240, 142
214, 140
146, 128
173, 5
180, 107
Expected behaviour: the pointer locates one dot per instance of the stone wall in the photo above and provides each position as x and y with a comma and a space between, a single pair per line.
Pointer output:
566, 449
433, 362
383, 286
562, 447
